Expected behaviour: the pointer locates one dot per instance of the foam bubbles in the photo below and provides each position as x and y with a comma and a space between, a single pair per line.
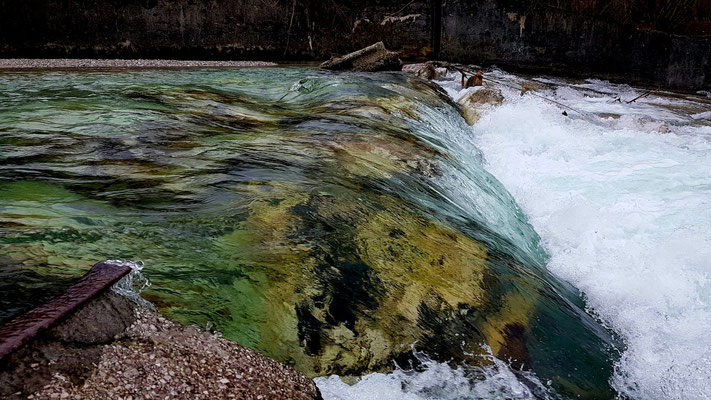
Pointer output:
439, 381
623, 206
132, 284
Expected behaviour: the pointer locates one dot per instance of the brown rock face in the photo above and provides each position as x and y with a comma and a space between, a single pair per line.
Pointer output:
422, 70
369, 59
473, 102
112, 348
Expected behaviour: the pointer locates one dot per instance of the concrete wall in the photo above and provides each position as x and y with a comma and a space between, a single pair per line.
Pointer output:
516, 34
219, 29
557, 41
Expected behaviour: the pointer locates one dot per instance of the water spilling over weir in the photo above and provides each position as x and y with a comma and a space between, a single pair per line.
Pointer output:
340, 223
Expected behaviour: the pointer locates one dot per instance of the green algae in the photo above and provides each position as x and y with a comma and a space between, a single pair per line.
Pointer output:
384, 261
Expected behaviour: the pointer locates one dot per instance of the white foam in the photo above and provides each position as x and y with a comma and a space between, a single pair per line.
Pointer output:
624, 212
132, 284
702, 115
437, 381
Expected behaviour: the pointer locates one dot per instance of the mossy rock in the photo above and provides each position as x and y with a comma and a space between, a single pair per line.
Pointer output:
354, 280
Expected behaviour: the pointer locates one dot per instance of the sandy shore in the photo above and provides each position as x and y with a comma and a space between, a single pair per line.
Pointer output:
66, 63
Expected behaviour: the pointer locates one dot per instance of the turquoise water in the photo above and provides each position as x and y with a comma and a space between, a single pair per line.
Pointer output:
332, 221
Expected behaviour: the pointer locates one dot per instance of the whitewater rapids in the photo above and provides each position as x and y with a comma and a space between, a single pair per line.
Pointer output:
620, 194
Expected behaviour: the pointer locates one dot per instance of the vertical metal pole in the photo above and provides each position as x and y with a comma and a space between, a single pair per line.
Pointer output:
436, 39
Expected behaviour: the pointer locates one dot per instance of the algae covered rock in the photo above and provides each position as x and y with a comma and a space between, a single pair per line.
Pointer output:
349, 281
363, 279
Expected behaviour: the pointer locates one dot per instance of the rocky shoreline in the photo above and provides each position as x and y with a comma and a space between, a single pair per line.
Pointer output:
89, 63
115, 348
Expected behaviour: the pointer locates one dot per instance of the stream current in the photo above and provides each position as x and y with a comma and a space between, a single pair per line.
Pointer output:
353, 226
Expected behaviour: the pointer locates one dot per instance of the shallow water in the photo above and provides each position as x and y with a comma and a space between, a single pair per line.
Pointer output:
341, 223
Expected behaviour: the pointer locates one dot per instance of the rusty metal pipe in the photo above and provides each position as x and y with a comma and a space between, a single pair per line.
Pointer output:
22, 329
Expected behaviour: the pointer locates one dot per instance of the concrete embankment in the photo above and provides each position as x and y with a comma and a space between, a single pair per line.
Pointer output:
94, 343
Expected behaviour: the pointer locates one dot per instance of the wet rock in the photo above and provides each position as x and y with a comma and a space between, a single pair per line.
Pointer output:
422, 70
483, 96
369, 59
474, 80
531, 86
97, 322
475, 101
374, 279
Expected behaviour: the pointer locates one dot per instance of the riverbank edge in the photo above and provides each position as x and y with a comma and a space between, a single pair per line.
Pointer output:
14, 64
108, 345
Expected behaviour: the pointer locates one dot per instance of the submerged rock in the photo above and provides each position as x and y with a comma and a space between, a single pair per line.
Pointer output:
473, 102
530, 85
369, 59
351, 281
369, 282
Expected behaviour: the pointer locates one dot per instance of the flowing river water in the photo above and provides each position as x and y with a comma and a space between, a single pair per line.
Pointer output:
349, 225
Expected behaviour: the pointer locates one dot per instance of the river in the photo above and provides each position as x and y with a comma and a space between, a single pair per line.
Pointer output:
353, 225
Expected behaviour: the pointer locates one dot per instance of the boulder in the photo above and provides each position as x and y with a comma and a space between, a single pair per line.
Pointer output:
477, 100
429, 70
531, 85
474, 80
372, 58
422, 70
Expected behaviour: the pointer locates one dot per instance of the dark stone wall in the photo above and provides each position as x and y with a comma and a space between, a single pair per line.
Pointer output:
546, 39
516, 34
216, 29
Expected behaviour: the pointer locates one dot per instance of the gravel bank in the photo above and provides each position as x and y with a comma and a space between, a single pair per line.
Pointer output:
114, 349
67, 63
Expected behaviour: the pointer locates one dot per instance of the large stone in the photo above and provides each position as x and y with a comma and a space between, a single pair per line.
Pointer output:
369, 59
476, 101
423, 70
99, 321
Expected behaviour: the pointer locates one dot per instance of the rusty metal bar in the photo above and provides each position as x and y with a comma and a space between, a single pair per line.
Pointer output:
20, 330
